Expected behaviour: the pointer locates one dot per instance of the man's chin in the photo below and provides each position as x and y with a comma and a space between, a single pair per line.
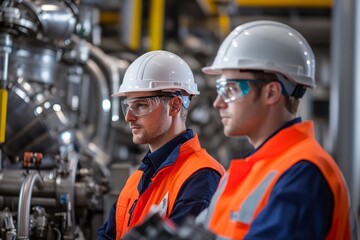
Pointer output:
229, 133
138, 140
227, 130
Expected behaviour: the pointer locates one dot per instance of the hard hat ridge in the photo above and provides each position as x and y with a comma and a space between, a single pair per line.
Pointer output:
158, 71
269, 46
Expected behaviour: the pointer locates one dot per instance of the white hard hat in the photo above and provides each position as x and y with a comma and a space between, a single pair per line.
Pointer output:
269, 46
158, 71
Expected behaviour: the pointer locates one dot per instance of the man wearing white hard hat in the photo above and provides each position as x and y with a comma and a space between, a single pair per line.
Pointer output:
287, 187
177, 175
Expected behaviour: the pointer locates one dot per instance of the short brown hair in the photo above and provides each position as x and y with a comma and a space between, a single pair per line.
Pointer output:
291, 103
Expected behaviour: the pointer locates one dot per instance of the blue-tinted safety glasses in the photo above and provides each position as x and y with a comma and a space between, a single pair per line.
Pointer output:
232, 89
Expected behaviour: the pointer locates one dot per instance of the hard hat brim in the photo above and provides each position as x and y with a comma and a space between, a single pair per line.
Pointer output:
211, 70
117, 95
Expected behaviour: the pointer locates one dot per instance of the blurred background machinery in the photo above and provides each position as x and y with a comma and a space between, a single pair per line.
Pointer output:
58, 121
65, 150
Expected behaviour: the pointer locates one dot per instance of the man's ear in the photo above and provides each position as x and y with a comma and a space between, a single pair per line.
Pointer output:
175, 105
273, 92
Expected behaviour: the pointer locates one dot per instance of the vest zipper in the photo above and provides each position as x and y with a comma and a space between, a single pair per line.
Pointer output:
131, 210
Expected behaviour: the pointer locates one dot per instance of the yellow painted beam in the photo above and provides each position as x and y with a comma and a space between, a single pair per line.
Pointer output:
131, 23
109, 17
156, 27
208, 6
3, 111
135, 36
284, 3
224, 25
137, 21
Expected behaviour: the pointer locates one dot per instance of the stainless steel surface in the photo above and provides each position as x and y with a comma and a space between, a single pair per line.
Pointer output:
34, 63
43, 123
5, 50
54, 137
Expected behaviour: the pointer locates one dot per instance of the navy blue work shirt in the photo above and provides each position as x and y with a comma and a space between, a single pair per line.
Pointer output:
299, 207
190, 201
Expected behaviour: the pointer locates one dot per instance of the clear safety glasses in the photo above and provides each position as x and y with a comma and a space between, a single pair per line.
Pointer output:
141, 105
232, 89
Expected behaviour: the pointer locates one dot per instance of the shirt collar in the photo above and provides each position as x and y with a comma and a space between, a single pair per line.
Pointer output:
288, 124
156, 158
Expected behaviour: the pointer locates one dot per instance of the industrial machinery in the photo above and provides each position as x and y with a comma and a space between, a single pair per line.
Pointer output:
58, 123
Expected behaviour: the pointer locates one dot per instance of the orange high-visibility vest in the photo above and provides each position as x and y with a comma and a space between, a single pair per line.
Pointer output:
131, 208
245, 188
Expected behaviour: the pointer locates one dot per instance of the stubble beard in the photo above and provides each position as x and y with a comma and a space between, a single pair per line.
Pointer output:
141, 139
149, 137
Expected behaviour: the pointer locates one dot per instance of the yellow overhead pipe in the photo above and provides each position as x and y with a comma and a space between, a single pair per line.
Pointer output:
224, 25
109, 17
131, 19
218, 8
156, 26
3, 111
135, 38
208, 6
284, 3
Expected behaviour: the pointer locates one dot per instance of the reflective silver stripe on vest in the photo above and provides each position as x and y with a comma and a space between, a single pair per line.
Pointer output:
246, 213
222, 238
215, 198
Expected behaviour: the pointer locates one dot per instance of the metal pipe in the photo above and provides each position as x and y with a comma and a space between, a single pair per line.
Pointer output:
11, 183
24, 203
113, 77
5, 50
109, 83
